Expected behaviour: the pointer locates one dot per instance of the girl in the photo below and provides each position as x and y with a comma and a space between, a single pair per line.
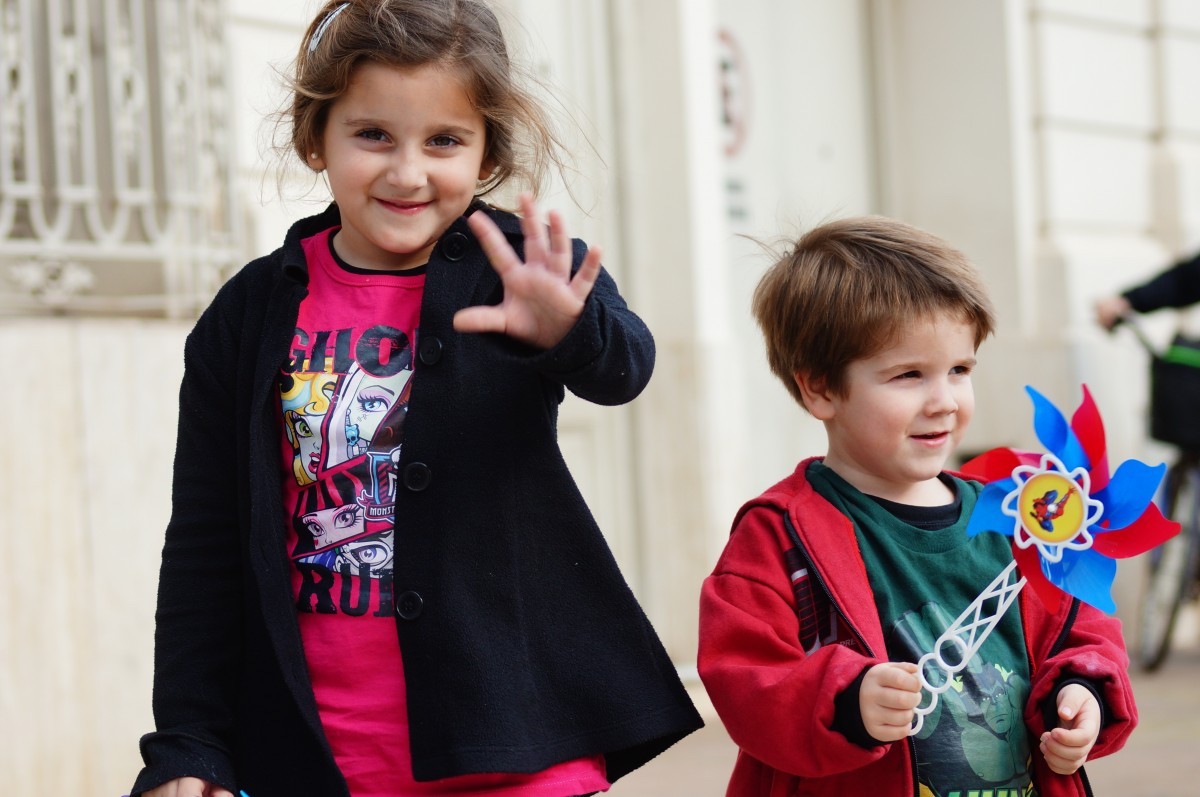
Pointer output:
379, 577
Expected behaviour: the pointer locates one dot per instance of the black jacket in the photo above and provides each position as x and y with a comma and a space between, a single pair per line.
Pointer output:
1178, 286
523, 646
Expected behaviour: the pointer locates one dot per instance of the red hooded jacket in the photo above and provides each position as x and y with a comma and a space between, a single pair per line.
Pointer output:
777, 702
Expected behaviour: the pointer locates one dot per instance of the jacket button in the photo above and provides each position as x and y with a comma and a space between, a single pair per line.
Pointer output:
409, 605
429, 350
417, 476
455, 246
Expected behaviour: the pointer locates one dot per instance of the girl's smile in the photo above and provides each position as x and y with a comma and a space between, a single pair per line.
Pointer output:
407, 208
403, 150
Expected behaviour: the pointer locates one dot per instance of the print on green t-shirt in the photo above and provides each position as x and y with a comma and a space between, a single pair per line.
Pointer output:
975, 740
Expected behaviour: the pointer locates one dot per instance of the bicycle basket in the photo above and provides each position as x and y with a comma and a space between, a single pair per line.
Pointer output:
1175, 394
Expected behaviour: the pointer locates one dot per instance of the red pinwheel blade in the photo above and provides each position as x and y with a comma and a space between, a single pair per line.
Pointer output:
1141, 535
1089, 428
997, 464
1030, 565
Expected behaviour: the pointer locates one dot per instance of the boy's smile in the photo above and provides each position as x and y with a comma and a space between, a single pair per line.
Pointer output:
403, 150
904, 411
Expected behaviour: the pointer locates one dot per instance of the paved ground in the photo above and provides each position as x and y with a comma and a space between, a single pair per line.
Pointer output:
1162, 758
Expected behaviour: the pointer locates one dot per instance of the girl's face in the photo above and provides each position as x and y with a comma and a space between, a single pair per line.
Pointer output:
403, 150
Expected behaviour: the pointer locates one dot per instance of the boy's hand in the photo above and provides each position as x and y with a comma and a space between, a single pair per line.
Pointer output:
1067, 746
889, 693
542, 300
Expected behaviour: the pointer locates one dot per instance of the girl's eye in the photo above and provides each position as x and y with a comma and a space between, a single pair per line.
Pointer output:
443, 141
373, 134
961, 369
910, 375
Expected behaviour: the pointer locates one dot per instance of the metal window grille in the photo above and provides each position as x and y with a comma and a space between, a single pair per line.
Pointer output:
116, 163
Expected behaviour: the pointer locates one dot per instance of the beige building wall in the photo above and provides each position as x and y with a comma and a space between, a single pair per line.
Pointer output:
1056, 142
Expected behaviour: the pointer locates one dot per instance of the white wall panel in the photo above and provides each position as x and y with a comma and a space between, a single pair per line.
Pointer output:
130, 406
263, 41
1128, 12
272, 12
1187, 161
84, 500
807, 156
1181, 57
44, 641
1095, 75
258, 90
1180, 14
1097, 180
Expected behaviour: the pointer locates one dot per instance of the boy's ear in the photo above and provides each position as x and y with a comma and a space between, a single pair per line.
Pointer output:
818, 400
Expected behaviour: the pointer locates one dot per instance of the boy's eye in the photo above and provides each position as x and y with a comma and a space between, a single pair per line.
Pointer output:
961, 369
910, 375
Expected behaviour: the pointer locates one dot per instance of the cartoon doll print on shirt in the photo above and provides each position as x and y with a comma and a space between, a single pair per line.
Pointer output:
305, 405
367, 413
345, 432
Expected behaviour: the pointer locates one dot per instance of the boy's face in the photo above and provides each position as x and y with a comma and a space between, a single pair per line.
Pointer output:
904, 411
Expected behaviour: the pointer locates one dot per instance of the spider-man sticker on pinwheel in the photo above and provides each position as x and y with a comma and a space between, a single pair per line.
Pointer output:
1070, 519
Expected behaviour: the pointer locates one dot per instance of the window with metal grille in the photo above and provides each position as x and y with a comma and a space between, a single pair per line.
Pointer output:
116, 161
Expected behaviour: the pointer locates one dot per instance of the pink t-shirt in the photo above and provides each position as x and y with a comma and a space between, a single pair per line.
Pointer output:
344, 397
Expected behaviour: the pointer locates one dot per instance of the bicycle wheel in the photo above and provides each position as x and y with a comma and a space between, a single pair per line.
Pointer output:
1172, 568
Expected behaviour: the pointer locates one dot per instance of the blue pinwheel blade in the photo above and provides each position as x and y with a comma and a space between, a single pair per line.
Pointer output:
987, 515
1129, 492
1085, 574
1055, 433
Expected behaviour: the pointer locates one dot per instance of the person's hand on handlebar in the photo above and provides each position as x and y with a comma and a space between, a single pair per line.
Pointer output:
1110, 310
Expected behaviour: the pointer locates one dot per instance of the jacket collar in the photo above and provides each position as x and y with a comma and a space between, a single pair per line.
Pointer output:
295, 265
832, 547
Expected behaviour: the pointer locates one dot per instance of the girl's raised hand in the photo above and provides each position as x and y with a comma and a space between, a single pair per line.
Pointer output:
542, 300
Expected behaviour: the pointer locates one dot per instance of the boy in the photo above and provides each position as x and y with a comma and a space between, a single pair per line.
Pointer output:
840, 576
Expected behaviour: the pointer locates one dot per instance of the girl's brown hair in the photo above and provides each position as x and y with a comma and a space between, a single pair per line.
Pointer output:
847, 288
461, 35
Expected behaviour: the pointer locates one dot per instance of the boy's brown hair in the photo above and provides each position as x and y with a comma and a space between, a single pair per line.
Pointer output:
846, 288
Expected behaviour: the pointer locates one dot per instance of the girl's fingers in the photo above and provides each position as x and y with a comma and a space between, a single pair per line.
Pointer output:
585, 277
499, 252
537, 248
550, 251
560, 246
481, 318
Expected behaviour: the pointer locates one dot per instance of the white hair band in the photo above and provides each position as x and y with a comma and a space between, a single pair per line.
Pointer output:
315, 41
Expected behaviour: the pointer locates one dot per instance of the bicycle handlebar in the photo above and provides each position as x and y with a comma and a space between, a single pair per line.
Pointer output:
1131, 321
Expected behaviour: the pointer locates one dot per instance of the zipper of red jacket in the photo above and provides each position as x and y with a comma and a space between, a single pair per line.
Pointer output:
1060, 642
820, 581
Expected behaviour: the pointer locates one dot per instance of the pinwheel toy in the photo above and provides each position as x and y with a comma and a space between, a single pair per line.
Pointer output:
1069, 519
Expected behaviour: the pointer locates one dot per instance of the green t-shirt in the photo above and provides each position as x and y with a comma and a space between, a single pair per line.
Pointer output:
975, 740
